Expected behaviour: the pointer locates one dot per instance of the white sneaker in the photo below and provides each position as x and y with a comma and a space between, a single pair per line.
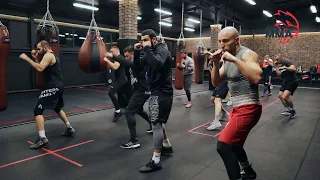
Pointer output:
214, 126
286, 113
229, 103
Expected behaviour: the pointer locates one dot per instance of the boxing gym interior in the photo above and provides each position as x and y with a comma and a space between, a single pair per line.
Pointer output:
279, 147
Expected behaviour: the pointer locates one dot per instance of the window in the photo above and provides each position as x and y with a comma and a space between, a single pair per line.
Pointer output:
66, 37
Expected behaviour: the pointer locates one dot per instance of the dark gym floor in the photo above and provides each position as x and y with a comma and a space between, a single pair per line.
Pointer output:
280, 149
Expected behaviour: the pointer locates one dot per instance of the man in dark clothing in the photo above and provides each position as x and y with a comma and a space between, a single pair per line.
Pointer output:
121, 84
290, 83
51, 96
141, 93
157, 60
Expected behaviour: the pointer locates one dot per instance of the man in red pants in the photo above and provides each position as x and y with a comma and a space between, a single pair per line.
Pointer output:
242, 71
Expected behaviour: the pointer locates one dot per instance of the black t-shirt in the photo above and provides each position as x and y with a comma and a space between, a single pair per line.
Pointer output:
53, 76
159, 69
288, 75
120, 73
136, 71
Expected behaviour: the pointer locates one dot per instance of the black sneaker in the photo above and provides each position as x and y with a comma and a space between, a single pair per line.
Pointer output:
117, 116
41, 142
131, 144
150, 167
166, 151
292, 114
68, 132
248, 173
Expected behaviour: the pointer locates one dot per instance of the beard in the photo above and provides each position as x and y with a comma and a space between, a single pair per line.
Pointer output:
42, 52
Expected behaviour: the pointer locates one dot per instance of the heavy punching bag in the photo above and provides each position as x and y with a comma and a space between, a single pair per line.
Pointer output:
49, 33
4, 53
178, 82
199, 59
92, 53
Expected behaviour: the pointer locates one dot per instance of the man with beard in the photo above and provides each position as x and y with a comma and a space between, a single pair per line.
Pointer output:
51, 96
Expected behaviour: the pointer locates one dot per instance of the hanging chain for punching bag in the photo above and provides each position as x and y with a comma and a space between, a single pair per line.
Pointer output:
47, 28
180, 41
161, 39
200, 43
93, 23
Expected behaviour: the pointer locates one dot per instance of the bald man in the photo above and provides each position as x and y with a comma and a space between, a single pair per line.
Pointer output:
242, 71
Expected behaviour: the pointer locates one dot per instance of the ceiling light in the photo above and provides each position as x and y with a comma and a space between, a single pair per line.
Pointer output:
82, 38
318, 19
139, 18
165, 24
61, 35
89, 7
267, 13
189, 29
313, 9
163, 11
193, 20
251, 2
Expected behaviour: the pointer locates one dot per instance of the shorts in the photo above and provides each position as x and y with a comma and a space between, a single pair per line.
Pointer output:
51, 98
160, 108
290, 86
187, 81
221, 91
241, 120
137, 101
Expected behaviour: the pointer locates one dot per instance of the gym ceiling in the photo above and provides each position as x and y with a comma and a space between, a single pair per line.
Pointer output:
234, 12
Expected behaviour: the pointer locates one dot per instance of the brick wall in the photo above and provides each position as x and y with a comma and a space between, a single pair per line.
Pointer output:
303, 51
128, 25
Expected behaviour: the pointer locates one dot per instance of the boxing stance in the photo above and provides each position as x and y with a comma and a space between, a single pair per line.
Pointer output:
140, 96
242, 70
290, 83
51, 96
157, 60
267, 72
121, 84
187, 66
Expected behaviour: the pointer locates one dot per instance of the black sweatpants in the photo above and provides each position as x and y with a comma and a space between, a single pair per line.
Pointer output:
124, 91
135, 106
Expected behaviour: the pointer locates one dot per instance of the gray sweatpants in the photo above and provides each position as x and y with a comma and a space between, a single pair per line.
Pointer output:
158, 135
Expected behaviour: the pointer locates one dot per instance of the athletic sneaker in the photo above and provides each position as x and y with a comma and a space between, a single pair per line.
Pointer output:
41, 142
149, 130
229, 103
117, 116
286, 113
214, 126
292, 114
131, 144
166, 151
188, 105
68, 132
150, 167
248, 173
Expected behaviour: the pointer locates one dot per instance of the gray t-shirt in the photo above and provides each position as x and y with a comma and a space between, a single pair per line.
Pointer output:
189, 63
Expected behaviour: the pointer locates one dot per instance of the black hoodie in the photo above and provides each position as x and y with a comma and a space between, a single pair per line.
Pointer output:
159, 71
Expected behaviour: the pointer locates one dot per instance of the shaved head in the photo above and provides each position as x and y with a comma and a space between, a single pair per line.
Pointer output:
229, 31
229, 40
